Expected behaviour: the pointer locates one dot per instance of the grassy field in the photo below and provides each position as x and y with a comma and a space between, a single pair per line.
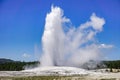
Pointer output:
43, 78
51, 78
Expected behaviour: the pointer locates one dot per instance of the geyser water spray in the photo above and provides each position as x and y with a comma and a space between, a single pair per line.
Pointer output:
64, 45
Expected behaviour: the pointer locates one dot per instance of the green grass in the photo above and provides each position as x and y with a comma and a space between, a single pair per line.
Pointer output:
109, 79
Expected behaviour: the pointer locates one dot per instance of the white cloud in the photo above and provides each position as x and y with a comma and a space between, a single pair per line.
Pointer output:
25, 55
105, 46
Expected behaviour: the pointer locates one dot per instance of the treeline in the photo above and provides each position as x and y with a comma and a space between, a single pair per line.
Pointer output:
16, 66
112, 65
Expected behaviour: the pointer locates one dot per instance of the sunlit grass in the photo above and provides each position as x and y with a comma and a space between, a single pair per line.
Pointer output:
43, 78
51, 78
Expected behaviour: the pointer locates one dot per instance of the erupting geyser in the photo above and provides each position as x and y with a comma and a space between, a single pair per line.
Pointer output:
65, 45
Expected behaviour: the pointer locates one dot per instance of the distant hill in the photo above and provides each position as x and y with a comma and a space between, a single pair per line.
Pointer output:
3, 60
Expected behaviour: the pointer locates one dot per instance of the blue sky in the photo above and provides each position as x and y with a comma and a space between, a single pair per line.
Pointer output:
22, 24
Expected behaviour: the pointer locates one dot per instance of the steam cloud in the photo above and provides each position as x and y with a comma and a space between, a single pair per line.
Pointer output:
67, 45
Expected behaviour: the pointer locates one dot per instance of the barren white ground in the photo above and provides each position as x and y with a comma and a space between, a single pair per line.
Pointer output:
61, 71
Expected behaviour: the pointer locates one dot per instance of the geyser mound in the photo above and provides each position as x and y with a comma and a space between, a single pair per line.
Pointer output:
61, 71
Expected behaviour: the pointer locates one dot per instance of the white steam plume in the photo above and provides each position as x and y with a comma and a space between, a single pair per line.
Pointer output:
72, 47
